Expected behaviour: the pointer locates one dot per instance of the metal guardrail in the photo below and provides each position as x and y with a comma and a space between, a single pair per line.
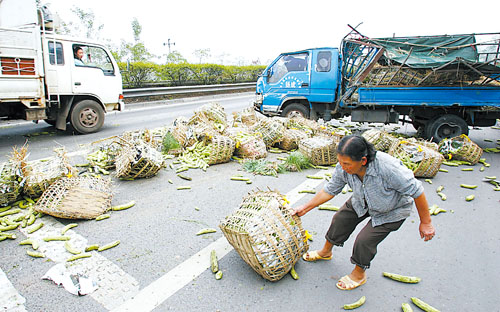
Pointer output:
142, 92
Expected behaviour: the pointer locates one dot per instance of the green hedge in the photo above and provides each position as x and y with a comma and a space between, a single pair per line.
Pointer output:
142, 74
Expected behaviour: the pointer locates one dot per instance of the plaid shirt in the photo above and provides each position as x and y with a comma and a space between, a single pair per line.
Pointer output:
386, 191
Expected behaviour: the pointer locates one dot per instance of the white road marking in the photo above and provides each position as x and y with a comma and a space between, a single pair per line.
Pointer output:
10, 299
114, 285
163, 288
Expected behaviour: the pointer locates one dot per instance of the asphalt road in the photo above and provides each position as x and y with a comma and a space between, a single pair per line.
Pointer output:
160, 254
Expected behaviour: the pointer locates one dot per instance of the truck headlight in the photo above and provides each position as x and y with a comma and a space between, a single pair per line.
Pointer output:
259, 98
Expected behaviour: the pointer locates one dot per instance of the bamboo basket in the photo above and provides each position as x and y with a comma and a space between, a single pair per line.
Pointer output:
265, 234
213, 112
183, 133
461, 148
138, 159
221, 149
40, 174
104, 156
271, 131
246, 117
329, 133
10, 181
291, 138
248, 145
423, 161
301, 123
76, 198
320, 150
381, 140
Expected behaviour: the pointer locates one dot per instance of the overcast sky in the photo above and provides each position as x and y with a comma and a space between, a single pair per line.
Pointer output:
261, 29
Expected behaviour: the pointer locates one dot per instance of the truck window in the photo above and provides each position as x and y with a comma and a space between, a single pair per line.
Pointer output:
56, 53
288, 63
95, 57
324, 61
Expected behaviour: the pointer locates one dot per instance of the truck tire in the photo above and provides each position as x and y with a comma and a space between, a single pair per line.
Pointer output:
87, 116
295, 109
446, 126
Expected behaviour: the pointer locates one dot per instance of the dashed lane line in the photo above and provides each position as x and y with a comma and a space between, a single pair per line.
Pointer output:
167, 285
114, 285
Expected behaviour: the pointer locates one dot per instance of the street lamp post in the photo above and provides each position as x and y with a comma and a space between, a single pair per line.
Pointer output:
168, 43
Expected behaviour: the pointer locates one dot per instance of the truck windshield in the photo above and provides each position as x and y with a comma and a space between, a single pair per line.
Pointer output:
95, 57
288, 63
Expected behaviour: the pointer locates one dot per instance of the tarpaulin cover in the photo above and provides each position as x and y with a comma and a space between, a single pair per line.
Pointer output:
429, 52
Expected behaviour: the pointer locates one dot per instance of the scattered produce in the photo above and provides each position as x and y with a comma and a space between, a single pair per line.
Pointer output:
218, 275
402, 278
468, 186
240, 179
108, 246
35, 254
314, 177
422, 305
91, 247
35, 228
214, 264
469, 197
406, 307
124, 206
307, 191
434, 210
356, 304
294, 274
328, 207
56, 238
184, 177
206, 231
34, 244
442, 195
102, 217
79, 256
10, 212
71, 249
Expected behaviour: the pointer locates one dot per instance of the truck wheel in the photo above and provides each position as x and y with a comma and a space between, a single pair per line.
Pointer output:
87, 116
295, 109
446, 126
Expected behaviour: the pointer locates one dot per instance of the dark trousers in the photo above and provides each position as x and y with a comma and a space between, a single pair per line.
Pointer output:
365, 247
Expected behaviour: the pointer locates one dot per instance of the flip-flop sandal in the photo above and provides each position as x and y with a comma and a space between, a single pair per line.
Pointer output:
314, 256
349, 284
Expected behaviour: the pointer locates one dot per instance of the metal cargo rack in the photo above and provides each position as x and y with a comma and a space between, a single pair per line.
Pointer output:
458, 60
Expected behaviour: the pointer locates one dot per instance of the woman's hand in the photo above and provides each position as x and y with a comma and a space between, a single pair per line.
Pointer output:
427, 231
299, 211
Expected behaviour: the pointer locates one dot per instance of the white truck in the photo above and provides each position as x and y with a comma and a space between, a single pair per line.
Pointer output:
39, 78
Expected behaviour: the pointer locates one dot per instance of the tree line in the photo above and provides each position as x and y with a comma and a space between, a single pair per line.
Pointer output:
139, 67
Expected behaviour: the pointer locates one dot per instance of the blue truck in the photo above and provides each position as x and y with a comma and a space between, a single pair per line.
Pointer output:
442, 85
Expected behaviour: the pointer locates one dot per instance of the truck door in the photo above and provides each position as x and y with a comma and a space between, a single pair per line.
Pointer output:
287, 77
95, 74
324, 73
57, 67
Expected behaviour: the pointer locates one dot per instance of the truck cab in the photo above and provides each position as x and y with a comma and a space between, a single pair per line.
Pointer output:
299, 83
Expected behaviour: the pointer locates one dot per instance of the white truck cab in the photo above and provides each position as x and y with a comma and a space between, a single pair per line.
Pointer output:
41, 79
